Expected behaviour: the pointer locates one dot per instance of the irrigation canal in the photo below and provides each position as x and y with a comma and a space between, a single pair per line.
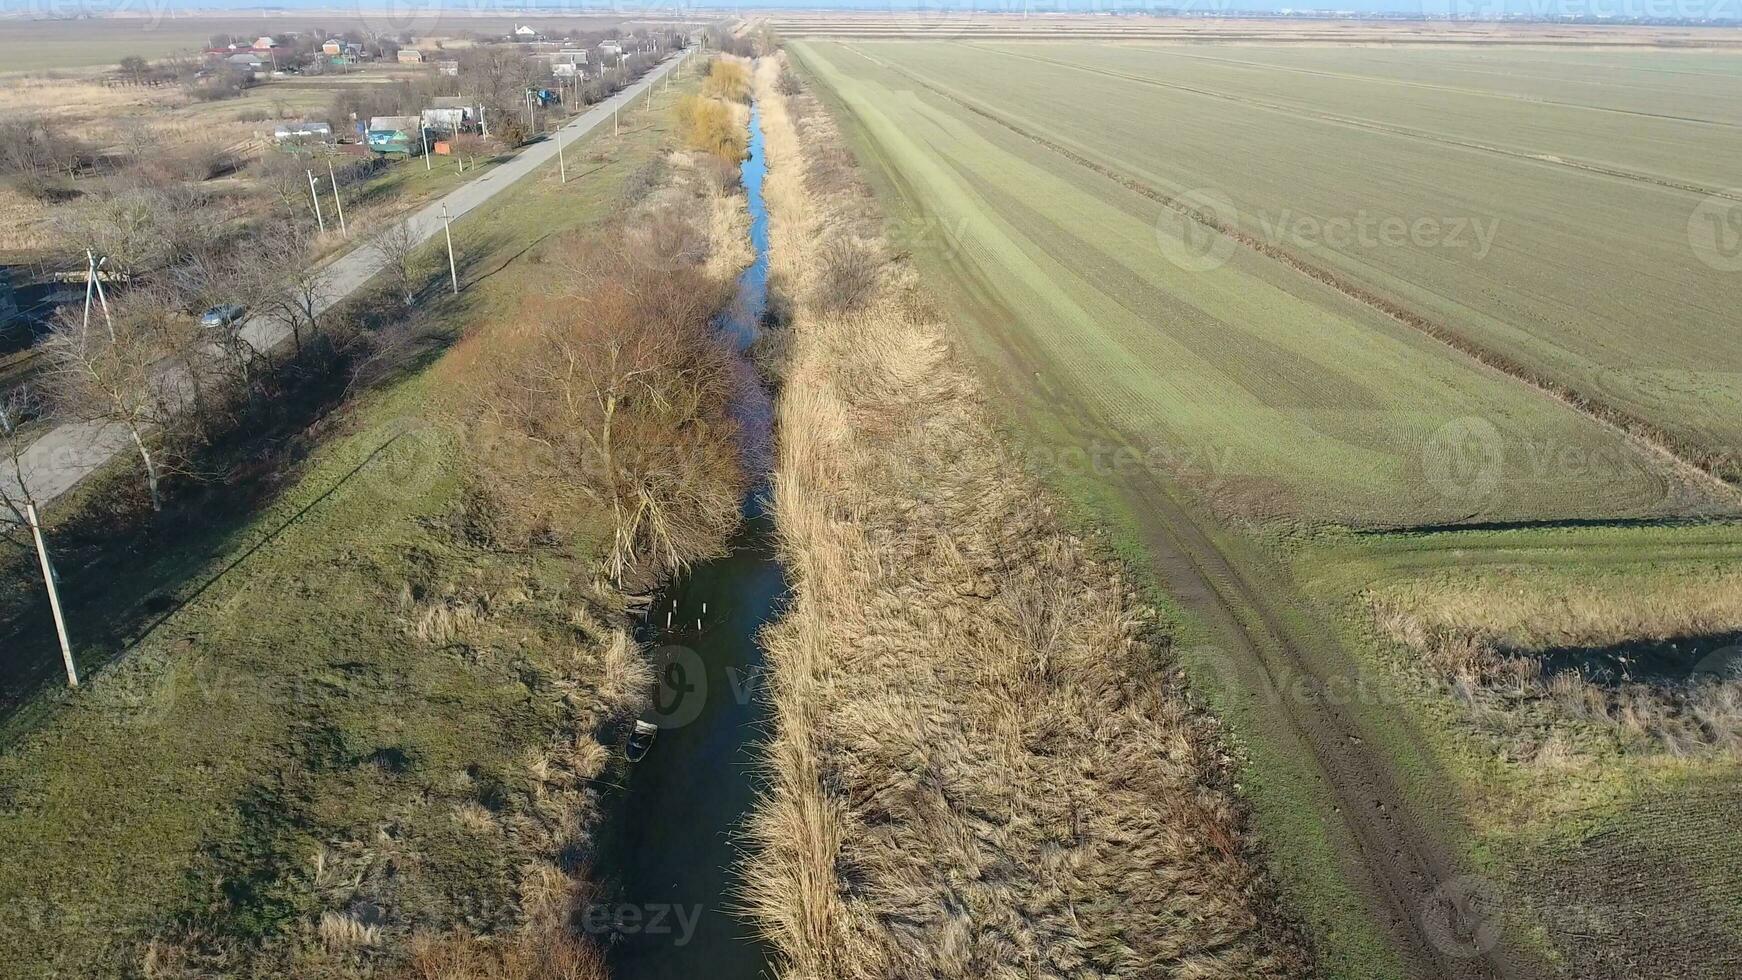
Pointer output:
668, 851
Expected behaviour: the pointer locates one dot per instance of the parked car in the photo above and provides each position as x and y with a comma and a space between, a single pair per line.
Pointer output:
222, 316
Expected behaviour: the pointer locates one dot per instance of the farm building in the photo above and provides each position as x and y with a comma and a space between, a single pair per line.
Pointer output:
247, 61
302, 133
395, 134
333, 46
451, 114
410, 56
447, 67
526, 32
611, 46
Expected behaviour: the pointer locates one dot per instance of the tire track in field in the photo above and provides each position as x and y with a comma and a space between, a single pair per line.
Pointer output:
1371, 125
1405, 874
1719, 472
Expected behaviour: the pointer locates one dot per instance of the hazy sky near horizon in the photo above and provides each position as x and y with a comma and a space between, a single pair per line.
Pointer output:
1475, 9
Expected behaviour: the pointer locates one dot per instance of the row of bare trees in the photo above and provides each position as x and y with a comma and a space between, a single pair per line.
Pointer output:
146, 366
136, 361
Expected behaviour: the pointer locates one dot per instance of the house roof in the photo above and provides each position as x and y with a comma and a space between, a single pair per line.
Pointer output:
395, 123
295, 128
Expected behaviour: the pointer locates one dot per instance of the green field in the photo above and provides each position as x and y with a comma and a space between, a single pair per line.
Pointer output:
1242, 420
1293, 397
1581, 279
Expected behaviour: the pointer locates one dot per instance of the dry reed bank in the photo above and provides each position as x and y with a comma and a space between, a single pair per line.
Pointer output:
984, 763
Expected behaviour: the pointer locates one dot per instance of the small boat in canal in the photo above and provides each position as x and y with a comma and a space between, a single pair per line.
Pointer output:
640, 740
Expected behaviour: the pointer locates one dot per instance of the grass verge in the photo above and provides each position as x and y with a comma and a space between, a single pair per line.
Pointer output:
334, 736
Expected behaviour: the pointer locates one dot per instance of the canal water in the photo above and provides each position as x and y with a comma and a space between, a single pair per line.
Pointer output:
670, 846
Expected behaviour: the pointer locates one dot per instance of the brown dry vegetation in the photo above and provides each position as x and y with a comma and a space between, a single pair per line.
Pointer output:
1486, 643
728, 78
709, 125
713, 122
984, 764
613, 394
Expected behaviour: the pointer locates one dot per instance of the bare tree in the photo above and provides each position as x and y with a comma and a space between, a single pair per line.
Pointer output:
111, 378
619, 395
286, 179
399, 250
18, 407
135, 68
285, 285
211, 278
138, 229
188, 348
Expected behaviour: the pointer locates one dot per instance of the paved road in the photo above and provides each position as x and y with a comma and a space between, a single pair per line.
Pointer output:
71, 451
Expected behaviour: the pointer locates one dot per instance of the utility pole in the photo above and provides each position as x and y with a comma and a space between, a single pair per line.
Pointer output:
453, 270
562, 165
92, 278
60, 623
424, 133
315, 196
336, 202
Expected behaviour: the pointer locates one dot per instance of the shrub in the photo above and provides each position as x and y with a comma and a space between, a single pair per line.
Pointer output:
849, 275
718, 174
612, 405
727, 80
642, 181
708, 125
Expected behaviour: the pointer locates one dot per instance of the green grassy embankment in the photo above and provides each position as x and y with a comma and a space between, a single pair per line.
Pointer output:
328, 704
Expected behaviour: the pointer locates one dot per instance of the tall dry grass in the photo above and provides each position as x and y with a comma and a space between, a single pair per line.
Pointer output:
982, 763
1488, 645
